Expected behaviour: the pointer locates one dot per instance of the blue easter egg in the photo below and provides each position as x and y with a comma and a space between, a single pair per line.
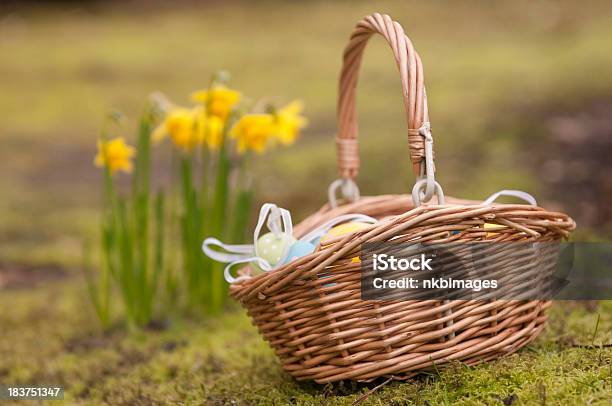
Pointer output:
299, 249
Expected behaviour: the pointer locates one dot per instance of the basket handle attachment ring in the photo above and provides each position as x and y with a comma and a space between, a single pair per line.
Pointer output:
418, 192
348, 190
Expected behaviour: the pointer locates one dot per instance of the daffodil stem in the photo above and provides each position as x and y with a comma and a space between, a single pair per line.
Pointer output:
221, 192
218, 218
97, 288
188, 221
112, 263
126, 270
242, 204
158, 266
205, 210
204, 204
172, 282
140, 199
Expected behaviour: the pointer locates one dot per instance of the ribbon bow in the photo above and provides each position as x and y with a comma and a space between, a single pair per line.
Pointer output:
279, 223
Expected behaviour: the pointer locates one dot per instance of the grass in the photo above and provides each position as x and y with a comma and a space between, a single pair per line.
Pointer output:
493, 75
224, 361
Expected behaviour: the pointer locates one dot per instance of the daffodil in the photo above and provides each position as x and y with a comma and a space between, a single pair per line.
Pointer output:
115, 154
210, 129
181, 125
289, 122
253, 132
219, 100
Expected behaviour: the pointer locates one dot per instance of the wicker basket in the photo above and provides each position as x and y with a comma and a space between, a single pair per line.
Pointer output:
322, 330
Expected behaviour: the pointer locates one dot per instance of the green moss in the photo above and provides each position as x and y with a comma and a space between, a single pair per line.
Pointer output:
50, 337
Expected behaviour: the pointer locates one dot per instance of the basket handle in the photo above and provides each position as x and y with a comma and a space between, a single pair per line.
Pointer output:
413, 91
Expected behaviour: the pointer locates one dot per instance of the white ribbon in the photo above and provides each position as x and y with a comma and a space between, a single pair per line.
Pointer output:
325, 227
234, 252
279, 223
262, 263
513, 193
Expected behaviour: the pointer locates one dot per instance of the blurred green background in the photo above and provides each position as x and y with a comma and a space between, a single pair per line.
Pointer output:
520, 97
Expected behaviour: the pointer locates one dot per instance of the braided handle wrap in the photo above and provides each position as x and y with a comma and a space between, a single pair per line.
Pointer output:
413, 90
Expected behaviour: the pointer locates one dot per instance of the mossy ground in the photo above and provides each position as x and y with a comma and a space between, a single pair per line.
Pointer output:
50, 337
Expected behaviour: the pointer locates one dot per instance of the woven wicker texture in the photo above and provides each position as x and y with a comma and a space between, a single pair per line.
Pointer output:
310, 310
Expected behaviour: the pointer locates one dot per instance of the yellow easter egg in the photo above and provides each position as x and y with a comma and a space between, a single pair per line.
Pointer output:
344, 229
488, 226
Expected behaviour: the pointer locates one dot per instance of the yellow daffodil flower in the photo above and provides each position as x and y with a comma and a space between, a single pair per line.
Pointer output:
289, 122
181, 125
210, 129
115, 154
253, 132
219, 100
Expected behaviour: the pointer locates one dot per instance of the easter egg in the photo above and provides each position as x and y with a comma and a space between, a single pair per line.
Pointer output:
271, 248
488, 226
343, 229
299, 249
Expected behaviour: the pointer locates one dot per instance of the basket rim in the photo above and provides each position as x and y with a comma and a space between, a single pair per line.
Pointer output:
257, 284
